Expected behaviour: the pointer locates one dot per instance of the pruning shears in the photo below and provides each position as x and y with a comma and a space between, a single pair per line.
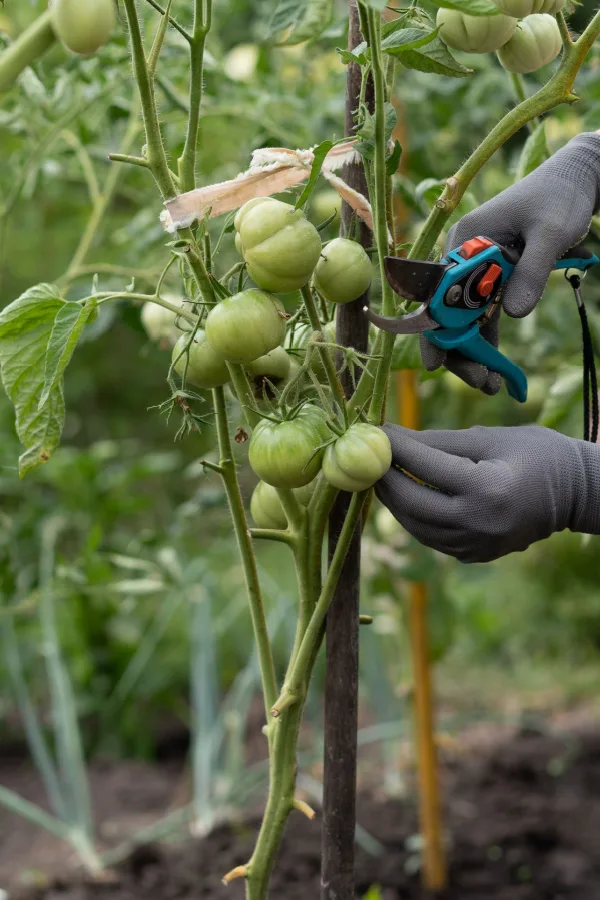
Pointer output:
462, 292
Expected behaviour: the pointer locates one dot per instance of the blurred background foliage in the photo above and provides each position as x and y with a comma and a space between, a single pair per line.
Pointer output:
139, 514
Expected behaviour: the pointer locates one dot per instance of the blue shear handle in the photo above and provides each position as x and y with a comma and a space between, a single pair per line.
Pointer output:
472, 345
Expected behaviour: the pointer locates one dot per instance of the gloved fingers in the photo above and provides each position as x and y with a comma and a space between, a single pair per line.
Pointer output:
441, 470
406, 497
474, 443
444, 540
431, 357
485, 221
527, 283
472, 373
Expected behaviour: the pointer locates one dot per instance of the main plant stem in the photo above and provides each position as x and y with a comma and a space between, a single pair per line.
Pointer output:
559, 89
378, 201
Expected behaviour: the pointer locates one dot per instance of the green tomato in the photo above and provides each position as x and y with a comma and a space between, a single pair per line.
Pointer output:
205, 368
474, 34
535, 43
271, 369
358, 459
83, 26
161, 324
279, 244
518, 9
552, 7
288, 454
266, 508
248, 325
344, 271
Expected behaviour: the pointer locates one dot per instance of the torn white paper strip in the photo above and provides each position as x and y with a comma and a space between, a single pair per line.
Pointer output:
272, 171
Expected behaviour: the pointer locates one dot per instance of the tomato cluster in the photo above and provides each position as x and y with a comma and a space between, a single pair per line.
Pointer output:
292, 443
525, 33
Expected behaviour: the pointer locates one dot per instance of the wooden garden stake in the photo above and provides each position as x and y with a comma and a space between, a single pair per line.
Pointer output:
341, 682
434, 860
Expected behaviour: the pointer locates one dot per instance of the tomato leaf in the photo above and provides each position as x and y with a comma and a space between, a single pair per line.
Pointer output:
25, 329
359, 55
295, 21
406, 39
320, 153
393, 160
366, 146
534, 153
470, 7
406, 354
434, 58
68, 325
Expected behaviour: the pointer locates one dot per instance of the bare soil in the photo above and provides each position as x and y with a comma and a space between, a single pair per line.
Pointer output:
522, 814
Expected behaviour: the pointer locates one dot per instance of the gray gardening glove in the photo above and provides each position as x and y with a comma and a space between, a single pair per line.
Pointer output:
492, 490
549, 211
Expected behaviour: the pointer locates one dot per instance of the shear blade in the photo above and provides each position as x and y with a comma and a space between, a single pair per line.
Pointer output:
412, 323
414, 279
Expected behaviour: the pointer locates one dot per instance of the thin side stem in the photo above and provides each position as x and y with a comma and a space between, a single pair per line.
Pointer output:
293, 687
28, 47
187, 162
242, 533
157, 157
325, 354
104, 199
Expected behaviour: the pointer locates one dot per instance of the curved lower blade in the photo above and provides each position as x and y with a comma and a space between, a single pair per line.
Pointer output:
412, 323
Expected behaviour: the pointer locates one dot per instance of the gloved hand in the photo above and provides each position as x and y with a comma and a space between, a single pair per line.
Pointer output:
549, 211
492, 490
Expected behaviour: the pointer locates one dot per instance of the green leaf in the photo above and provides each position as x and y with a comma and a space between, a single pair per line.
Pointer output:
407, 354
359, 55
406, 39
295, 21
433, 58
534, 152
68, 325
470, 7
366, 146
562, 397
320, 153
25, 329
376, 4
393, 160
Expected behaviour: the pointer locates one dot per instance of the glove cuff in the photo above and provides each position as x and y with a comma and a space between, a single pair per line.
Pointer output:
585, 515
579, 163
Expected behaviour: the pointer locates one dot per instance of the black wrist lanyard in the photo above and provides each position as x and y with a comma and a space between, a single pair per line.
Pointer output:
590, 378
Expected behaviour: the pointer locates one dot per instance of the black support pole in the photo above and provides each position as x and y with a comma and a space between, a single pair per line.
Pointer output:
341, 683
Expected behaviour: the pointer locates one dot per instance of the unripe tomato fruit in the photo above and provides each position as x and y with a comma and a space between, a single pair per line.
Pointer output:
205, 368
83, 26
266, 508
535, 43
159, 323
549, 6
358, 459
474, 34
343, 272
287, 454
271, 369
516, 8
248, 325
279, 244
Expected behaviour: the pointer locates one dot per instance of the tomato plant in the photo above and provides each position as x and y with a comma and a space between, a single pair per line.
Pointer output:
231, 247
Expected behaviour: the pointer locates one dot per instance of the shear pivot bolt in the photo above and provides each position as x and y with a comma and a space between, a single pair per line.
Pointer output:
453, 295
